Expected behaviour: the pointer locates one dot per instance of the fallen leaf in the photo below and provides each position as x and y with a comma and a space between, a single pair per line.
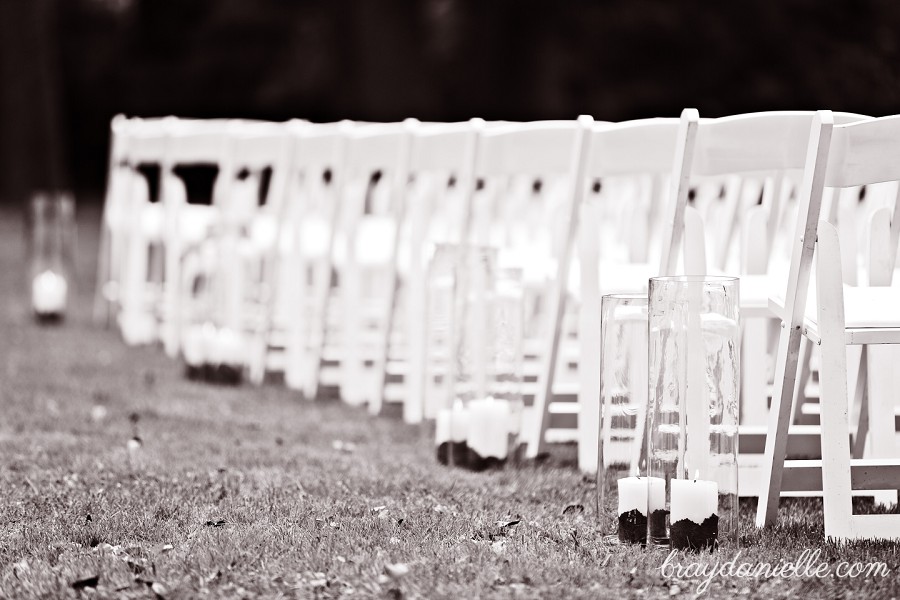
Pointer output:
397, 570
573, 509
158, 589
86, 582
21, 568
506, 524
378, 509
498, 546
674, 589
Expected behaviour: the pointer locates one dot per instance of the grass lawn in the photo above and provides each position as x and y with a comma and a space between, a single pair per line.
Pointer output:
249, 492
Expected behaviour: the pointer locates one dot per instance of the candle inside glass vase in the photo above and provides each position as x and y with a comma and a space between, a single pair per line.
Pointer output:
694, 337
193, 349
694, 514
51, 222
488, 438
231, 356
48, 295
636, 497
451, 432
623, 406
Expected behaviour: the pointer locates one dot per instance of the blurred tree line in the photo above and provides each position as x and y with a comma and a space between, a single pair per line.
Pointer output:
67, 66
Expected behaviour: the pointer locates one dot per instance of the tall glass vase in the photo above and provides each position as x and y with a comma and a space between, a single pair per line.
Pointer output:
621, 491
450, 416
506, 332
694, 361
52, 223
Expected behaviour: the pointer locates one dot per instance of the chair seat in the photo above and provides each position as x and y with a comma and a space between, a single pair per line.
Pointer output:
871, 314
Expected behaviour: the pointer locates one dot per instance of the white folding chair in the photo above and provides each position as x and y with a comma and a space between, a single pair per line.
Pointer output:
112, 223
188, 225
375, 177
440, 165
137, 225
310, 212
248, 245
755, 154
526, 208
838, 156
628, 160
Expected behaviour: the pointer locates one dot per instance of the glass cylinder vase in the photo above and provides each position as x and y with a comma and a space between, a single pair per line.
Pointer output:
506, 334
692, 426
450, 416
621, 489
52, 222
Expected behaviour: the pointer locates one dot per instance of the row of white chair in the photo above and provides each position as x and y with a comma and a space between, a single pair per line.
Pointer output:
587, 208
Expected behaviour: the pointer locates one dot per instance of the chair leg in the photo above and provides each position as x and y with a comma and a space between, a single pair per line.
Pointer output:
835, 422
772, 465
589, 341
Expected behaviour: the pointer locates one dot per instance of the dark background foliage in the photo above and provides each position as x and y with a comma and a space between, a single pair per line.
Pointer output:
67, 66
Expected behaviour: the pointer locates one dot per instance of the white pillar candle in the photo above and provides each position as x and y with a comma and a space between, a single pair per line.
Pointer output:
231, 347
459, 423
489, 427
48, 293
193, 346
633, 494
694, 500
443, 426
442, 441
210, 338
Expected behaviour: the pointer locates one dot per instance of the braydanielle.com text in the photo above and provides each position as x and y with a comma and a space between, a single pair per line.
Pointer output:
807, 565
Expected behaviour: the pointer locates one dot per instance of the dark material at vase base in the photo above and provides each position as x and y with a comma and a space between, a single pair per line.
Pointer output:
443, 453
455, 454
476, 462
658, 533
687, 535
223, 374
53, 318
633, 527
459, 454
